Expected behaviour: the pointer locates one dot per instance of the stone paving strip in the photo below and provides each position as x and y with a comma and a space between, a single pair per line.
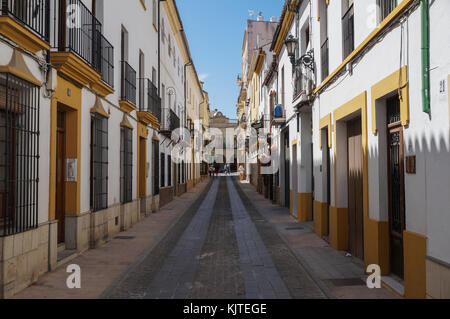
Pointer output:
219, 275
261, 277
176, 276
337, 275
101, 267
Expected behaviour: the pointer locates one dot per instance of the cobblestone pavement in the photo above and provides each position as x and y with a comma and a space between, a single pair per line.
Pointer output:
221, 248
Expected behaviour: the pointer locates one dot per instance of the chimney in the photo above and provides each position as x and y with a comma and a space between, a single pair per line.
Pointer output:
273, 19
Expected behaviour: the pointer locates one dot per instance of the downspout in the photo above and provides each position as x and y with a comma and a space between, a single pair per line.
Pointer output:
425, 56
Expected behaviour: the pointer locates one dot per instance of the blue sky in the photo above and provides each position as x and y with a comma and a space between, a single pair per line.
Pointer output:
215, 30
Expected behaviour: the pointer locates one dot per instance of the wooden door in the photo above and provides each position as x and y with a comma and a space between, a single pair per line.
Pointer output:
142, 167
396, 183
60, 175
355, 189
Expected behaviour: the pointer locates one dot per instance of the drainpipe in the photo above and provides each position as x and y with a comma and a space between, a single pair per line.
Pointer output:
425, 56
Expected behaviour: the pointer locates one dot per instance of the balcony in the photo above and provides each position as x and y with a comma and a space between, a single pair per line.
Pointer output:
149, 103
80, 50
348, 34
303, 82
324, 59
127, 88
258, 124
169, 122
26, 22
279, 116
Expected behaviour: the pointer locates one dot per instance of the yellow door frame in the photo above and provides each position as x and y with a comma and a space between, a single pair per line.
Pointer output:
339, 215
142, 133
69, 95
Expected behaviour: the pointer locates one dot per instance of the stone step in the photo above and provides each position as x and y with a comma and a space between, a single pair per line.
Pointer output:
65, 256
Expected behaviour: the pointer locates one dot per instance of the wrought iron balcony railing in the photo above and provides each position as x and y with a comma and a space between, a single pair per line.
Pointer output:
78, 31
149, 101
324, 59
169, 121
128, 83
348, 32
34, 14
302, 80
104, 59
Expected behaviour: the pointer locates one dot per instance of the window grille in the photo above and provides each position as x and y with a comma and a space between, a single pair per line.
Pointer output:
19, 155
386, 7
348, 33
156, 167
99, 162
126, 165
35, 14
163, 170
169, 171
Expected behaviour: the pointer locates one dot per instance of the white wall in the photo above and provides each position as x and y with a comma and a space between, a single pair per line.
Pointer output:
426, 137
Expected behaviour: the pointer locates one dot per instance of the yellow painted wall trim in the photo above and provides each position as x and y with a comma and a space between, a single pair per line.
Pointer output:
101, 88
143, 4
126, 106
325, 122
73, 103
415, 251
394, 14
304, 207
125, 122
21, 35
98, 108
18, 67
320, 212
376, 250
359, 103
72, 67
142, 133
147, 118
286, 25
318, 14
397, 81
339, 228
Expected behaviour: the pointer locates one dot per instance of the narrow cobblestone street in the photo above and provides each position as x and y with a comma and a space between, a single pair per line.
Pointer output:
222, 240
226, 249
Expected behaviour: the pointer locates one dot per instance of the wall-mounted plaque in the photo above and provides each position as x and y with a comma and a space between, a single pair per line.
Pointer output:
410, 164
71, 170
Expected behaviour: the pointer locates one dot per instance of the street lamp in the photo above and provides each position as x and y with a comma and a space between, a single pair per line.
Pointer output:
291, 45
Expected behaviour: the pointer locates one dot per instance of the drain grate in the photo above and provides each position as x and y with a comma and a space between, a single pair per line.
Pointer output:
347, 282
124, 237
294, 228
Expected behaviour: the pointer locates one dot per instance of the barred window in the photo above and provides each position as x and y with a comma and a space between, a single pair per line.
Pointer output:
155, 167
19, 155
386, 7
126, 165
163, 164
99, 162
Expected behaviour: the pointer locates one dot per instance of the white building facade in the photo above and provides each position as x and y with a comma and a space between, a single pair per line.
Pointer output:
363, 136
93, 95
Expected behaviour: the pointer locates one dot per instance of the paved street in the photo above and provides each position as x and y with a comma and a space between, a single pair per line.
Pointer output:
223, 241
